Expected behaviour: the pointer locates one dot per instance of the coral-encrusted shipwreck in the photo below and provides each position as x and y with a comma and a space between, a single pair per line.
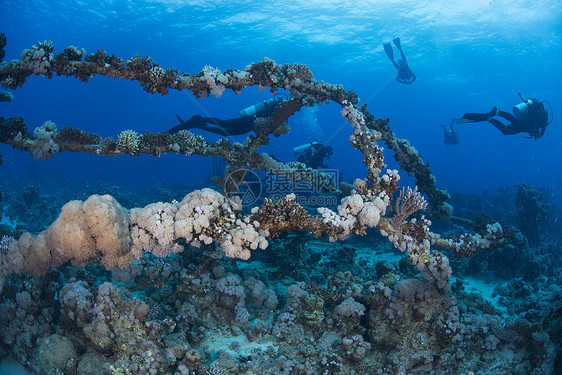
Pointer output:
100, 231
191, 314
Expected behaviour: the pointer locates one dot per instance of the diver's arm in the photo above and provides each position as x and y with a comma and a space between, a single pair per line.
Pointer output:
540, 132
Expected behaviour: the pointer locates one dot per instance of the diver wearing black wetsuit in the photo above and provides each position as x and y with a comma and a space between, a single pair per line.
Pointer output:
530, 116
236, 126
405, 74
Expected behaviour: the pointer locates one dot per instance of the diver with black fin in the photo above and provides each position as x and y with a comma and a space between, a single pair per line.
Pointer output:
405, 74
235, 126
529, 116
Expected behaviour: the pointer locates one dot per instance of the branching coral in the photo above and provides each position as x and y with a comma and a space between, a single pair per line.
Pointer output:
407, 203
128, 142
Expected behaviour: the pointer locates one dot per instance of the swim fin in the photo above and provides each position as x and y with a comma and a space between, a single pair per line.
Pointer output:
396, 42
193, 122
462, 121
475, 117
179, 119
388, 50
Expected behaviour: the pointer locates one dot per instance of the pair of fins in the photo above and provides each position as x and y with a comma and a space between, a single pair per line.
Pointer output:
388, 47
477, 117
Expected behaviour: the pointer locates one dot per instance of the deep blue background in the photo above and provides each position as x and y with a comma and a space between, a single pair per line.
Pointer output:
468, 56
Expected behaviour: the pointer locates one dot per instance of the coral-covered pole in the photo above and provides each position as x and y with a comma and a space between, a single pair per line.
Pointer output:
305, 90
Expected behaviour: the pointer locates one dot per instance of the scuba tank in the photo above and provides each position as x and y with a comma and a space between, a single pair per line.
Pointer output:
304, 148
521, 109
264, 106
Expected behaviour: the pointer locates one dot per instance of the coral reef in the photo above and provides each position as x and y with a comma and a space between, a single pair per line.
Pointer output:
177, 315
160, 288
532, 211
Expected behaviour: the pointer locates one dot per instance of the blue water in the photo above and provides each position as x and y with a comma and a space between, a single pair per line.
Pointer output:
468, 57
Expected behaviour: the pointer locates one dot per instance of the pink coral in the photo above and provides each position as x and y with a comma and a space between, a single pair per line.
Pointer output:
406, 204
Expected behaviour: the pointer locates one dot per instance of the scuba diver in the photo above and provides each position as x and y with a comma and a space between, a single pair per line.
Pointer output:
529, 116
451, 136
405, 74
236, 126
313, 154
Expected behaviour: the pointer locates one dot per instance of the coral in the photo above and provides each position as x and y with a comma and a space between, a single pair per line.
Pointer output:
214, 79
6, 96
152, 229
76, 302
73, 54
157, 143
100, 231
299, 71
258, 296
128, 142
531, 212
96, 229
76, 136
57, 354
44, 146
407, 203
9, 128
210, 321
282, 216
348, 313
188, 143
38, 59
5, 243
3, 41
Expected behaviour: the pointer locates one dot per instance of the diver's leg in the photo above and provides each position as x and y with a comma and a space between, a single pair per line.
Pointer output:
399, 46
389, 51
390, 54
193, 122
402, 56
212, 120
176, 129
505, 129
508, 116
235, 126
